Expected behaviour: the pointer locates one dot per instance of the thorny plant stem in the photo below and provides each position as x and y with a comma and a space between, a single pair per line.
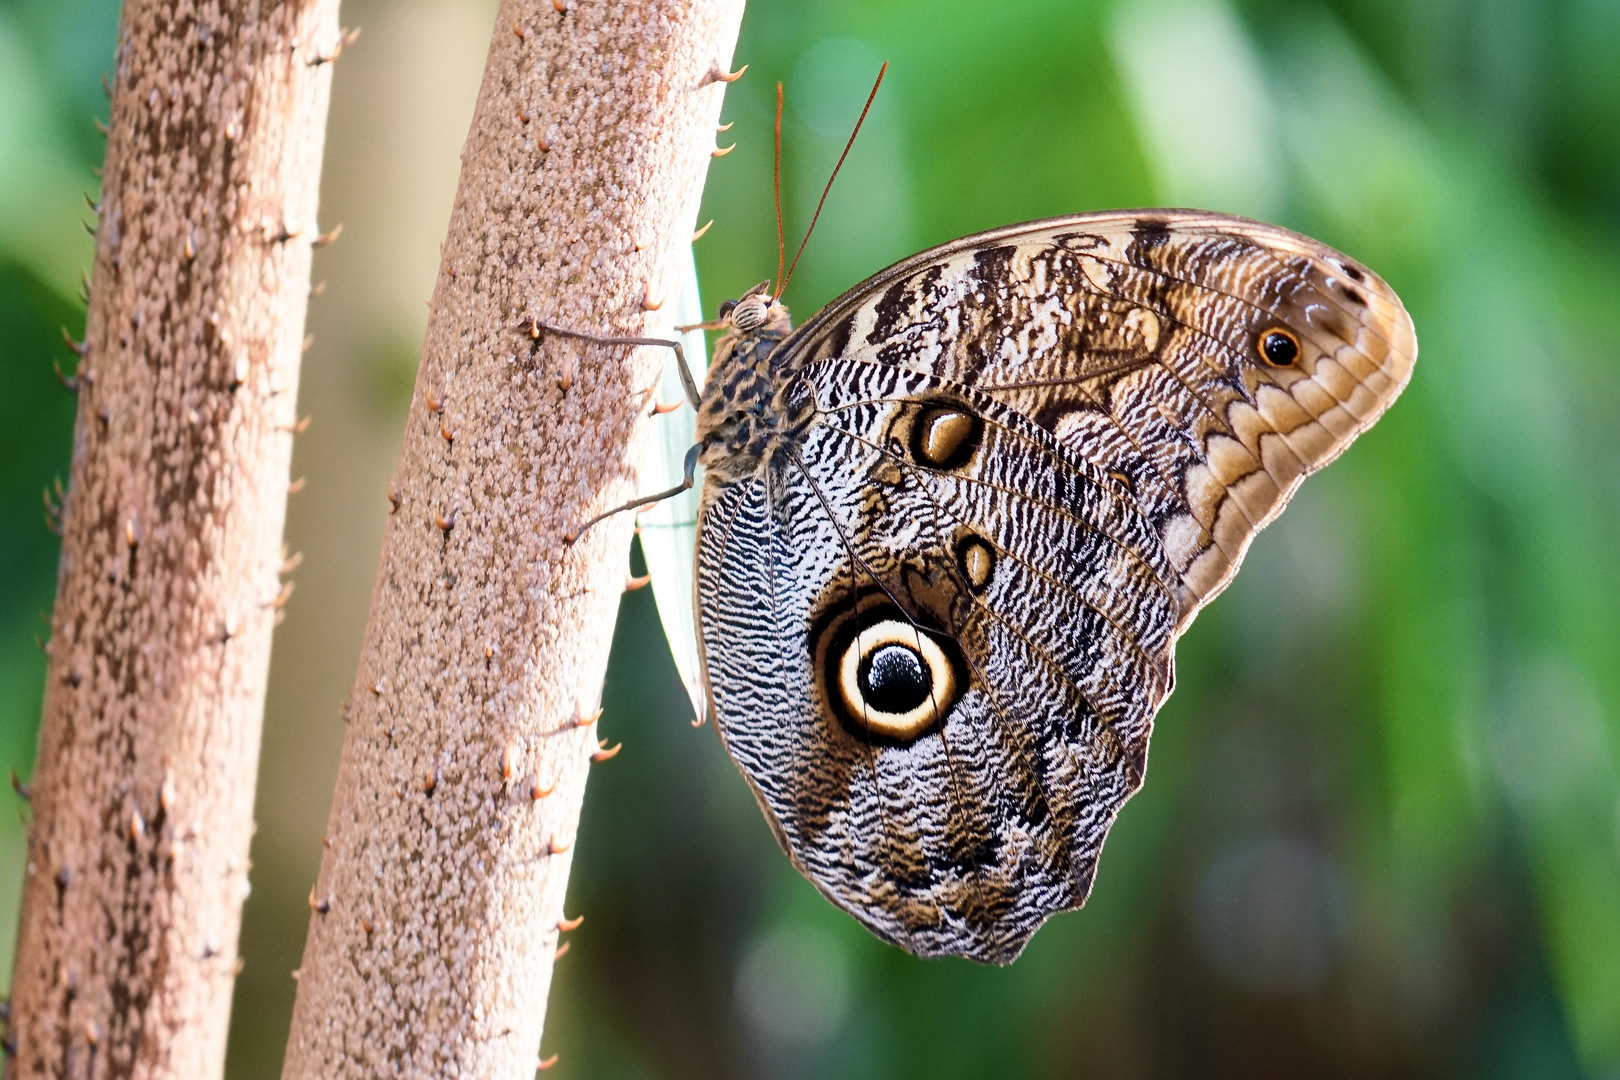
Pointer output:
439, 905
168, 587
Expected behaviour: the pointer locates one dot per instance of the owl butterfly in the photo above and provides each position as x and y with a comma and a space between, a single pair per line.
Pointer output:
952, 526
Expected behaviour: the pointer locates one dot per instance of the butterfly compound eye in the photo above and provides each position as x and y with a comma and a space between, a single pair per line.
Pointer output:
750, 313
1279, 348
895, 680
726, 307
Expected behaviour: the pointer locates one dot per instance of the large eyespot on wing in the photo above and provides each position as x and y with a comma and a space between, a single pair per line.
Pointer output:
889, 680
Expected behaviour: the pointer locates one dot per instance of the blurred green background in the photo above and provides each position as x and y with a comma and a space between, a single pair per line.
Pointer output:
1380, 836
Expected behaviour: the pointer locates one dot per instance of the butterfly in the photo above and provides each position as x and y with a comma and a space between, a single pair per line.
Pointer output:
952, 526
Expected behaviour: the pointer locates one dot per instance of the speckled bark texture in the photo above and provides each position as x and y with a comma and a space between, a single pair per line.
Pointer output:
437, 911
169, 586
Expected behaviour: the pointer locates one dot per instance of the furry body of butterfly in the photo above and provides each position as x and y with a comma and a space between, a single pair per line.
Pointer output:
953, 525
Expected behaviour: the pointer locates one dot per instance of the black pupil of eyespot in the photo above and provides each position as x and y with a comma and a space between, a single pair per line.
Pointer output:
894, 679
1280, 349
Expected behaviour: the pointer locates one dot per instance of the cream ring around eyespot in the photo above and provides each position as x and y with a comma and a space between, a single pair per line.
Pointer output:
940, 673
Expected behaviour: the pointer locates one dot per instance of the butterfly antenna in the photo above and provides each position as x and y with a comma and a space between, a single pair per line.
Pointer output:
782, 285
776, 185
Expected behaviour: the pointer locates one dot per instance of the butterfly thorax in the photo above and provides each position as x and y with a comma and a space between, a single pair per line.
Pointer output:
749, 409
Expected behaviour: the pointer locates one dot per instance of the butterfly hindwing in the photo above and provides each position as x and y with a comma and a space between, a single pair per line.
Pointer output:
964, 836
938, 617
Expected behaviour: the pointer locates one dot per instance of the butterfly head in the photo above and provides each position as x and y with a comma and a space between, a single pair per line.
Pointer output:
757, 313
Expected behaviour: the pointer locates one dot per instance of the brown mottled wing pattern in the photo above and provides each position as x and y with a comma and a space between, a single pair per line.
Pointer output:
1127, 432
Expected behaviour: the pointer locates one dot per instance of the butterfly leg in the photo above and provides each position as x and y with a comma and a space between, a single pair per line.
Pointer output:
536, 329
688, 478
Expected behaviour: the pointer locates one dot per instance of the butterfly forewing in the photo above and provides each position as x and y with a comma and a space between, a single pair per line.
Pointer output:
939, 616
1136, 338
